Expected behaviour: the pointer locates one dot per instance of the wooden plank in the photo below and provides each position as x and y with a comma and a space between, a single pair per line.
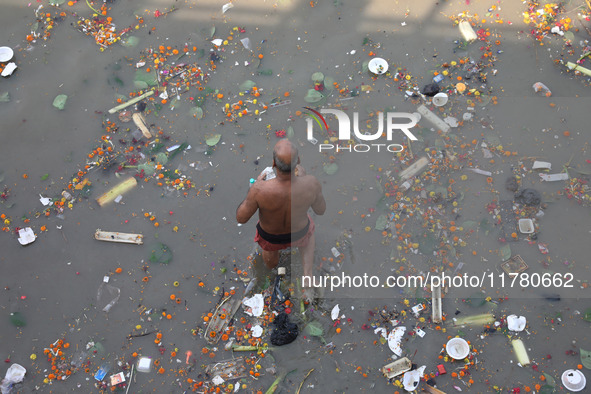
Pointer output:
141, 124
430, 389
126, 238
436, 309
221, 318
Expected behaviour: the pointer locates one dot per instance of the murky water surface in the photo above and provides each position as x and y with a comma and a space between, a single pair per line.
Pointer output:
450, 216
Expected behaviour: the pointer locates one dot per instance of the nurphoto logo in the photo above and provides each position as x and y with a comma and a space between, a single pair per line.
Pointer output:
395, 121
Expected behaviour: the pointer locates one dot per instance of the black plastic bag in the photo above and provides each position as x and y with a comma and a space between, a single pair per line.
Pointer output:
430, 90
529, 197
285, 332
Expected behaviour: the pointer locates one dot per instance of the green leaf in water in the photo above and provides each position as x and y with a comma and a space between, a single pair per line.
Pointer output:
196, 112
585, 358
505, 252
4, 97
44, 177
130, 41
247, 85
60, 101
148, 168
313, 96
549, 379
314, 328
365, 66
151, 78
318, 77
381, 223
546, 389
140, 85
469, 225
289, 133
162, 158
331, 168
587, 315
212, 139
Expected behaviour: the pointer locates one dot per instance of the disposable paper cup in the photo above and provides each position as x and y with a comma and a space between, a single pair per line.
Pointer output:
457, 348
440, 99
377, 65
6, 53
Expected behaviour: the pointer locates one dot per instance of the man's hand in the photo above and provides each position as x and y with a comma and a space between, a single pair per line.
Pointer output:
299, 171
262, 176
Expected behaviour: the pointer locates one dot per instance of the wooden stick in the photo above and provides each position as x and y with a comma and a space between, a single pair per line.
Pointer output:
121, 188
130, 102
140, 122
305, 377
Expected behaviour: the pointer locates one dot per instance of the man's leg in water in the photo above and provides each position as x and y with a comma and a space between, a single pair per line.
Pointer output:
308, 256
271, 259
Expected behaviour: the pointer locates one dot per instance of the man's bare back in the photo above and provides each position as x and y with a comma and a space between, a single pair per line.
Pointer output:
283, 203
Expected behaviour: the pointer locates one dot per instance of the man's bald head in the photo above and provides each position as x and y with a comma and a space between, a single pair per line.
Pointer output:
285, 156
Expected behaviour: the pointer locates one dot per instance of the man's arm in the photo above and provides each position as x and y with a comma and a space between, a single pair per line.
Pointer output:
319, 204
248, 207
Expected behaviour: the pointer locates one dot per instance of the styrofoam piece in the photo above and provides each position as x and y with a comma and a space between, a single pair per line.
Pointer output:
541, 165
434, 119
144, 364
563, 176
26, 236
397, 367
411, 379
395, 340
256, 304
526, 226
257, 331
9, 69
516, 323
467, 31
335, 313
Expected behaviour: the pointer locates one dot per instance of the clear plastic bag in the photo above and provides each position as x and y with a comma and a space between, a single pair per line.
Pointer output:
107, 295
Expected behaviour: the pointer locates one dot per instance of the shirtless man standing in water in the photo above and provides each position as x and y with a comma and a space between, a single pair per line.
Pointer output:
283, 204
